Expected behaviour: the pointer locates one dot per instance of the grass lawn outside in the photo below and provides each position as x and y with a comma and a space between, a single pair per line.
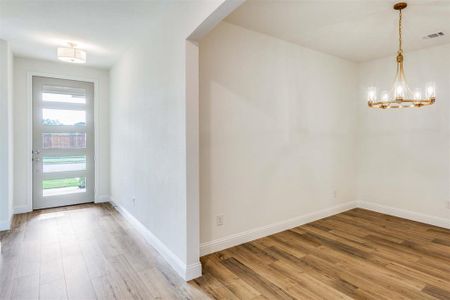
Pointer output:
62, 183
64, 160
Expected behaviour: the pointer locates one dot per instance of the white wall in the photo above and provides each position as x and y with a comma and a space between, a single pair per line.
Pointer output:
404, 155
277, 134
22, 123
6, 135
148, 133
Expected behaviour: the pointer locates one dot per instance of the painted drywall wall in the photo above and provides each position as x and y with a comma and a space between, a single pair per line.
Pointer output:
148, 131
403, 155
277, 132
11, 147
6, 135
22, 123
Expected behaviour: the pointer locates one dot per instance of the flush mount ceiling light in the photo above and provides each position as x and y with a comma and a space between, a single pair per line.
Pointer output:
400, 96
72, 54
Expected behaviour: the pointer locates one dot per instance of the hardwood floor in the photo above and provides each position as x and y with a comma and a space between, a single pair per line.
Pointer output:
84, 252
358, 254
91, 252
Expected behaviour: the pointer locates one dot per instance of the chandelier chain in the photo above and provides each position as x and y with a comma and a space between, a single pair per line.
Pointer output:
400, 46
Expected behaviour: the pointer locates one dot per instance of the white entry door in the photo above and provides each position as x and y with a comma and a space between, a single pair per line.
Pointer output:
63, 142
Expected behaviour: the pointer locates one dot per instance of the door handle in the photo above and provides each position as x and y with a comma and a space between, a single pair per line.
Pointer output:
35, 155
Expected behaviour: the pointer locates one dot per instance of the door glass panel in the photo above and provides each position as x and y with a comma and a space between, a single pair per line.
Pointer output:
63, 117
64, 163
64, 186
49, 97
73, 140
63, 94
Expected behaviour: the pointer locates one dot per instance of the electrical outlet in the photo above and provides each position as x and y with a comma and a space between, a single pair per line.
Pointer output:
134, 201
219, 220
335, 194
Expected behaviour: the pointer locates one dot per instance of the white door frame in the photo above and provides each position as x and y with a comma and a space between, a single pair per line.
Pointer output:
30, 130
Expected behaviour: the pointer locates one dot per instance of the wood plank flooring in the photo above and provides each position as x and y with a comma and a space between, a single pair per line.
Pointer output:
90, 252
357, 254
84, 252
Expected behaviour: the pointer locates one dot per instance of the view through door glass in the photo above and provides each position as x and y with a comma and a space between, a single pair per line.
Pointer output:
63, 142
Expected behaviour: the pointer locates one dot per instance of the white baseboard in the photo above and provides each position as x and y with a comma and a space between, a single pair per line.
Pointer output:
406, 214
187, 272
21, 209
5, 225
102, 198
253, 234
192, 271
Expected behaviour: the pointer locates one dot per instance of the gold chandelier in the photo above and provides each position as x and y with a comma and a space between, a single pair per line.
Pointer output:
400, 96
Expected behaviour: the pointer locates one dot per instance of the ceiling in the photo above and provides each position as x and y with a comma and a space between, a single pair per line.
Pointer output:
103, 28
356, 30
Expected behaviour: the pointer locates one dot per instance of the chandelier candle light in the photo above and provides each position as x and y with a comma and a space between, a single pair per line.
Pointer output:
400, 95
